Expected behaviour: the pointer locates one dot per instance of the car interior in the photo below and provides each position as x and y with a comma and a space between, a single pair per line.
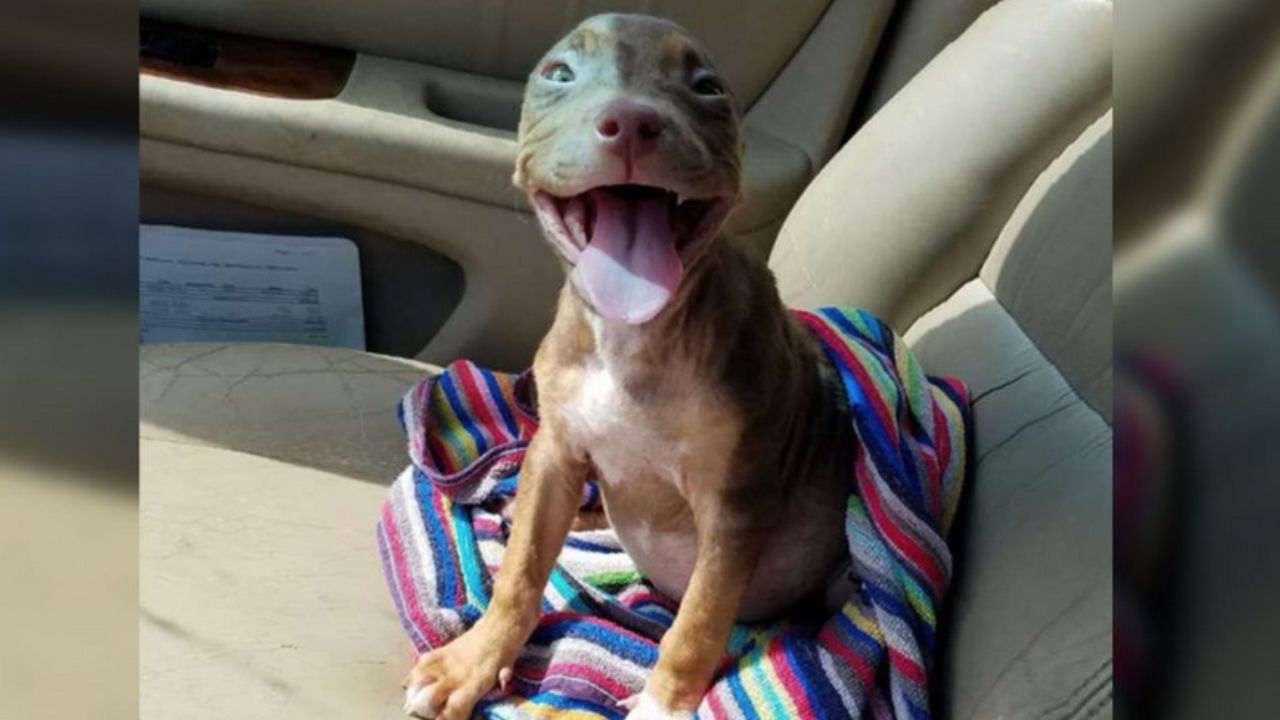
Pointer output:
945, 165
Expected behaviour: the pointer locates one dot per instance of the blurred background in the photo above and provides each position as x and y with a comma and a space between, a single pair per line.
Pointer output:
68, 359
1197, 322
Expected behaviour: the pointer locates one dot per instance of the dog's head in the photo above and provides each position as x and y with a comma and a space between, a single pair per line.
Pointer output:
630, 149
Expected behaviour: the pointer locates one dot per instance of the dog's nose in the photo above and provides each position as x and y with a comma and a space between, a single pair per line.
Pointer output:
629, 128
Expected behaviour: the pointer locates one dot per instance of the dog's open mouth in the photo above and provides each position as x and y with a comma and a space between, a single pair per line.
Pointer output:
628, 243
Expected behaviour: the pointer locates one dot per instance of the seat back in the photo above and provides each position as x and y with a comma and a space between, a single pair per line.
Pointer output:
974, 212
1050, 268
918, 31
1028, 631
909, 208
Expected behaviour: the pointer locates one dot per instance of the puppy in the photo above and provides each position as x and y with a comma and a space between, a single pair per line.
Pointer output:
672, 373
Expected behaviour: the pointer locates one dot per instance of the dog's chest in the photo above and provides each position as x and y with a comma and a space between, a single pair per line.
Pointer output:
627, 435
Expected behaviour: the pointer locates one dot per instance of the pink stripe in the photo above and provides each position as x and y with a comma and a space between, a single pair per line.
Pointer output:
404, 579
942, 426
651, 598
485, 526
479, 391
527, 426
782, 665
840, 347
477, 410
610, 685
907, 666
866, 674
714, 704
915, 553
932, 457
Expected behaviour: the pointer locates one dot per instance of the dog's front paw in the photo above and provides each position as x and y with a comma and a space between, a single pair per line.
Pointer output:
446, 683
643, 707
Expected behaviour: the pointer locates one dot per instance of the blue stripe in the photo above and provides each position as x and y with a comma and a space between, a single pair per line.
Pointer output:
507, 486
470, 614
910, 462
739, 694
467, 420
867, 425
927, 634
916, 711
875, 441
882, 348
618, 643
655, 612
502, 402
445, 587
469, 554
591, 497
817, 687
892, 605
864, 417
858, 635
842, 322
580, 544
888, 602
902, 478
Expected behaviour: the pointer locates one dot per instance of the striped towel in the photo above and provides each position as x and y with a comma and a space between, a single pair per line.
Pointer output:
442, 535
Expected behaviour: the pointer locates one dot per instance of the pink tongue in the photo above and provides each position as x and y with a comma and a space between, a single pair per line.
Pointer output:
630, 269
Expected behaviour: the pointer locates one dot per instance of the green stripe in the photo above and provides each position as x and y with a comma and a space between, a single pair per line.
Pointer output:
885, 384
614, 578
917, 597
449, 431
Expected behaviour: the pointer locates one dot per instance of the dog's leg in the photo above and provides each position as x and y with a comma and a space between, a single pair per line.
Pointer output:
447, 682
692, 649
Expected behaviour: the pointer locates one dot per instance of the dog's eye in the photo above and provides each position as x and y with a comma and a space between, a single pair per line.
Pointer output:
708, 85
558, 72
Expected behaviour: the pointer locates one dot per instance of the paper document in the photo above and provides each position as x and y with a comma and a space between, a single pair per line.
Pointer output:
199, 285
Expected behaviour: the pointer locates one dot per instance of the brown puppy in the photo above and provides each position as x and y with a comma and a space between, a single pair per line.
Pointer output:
672, 372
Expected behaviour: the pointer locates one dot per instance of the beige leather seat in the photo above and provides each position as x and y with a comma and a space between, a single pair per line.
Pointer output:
990, 247
973, 211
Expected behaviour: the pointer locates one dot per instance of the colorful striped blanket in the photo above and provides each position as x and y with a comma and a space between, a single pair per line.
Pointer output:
442, 534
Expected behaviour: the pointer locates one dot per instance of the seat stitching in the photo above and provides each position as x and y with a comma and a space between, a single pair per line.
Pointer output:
1036, 421
1004, 384
1077, 600
1089, 685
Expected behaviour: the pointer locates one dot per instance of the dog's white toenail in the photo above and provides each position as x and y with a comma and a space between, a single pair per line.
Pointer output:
415, 702
643, 707
504, 679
